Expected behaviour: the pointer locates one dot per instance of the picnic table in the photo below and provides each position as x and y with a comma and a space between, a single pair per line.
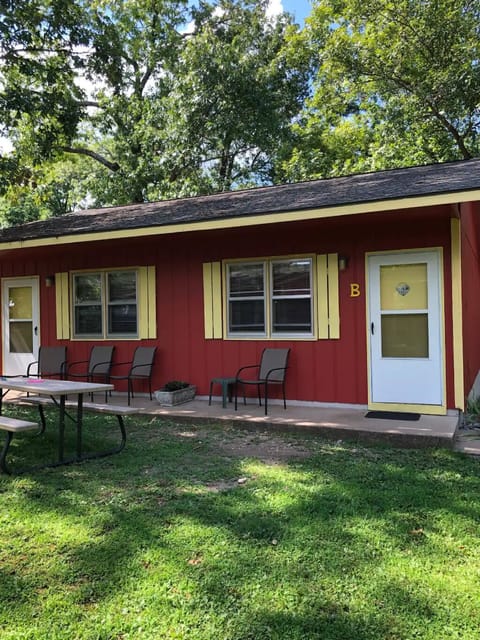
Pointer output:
57, 391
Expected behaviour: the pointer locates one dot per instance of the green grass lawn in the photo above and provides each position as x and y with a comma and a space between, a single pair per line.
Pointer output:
205, 532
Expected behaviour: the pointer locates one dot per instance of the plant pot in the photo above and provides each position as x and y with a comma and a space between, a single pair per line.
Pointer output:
172, 398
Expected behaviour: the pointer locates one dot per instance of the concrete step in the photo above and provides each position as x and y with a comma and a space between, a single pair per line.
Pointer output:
467, 440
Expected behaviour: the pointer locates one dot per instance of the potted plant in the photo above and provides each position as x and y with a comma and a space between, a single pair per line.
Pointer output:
175, 392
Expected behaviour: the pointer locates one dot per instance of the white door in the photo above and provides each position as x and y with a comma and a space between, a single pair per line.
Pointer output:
406, 354
20, 314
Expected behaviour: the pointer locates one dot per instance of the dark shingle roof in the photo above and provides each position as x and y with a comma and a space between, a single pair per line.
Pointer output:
361, 188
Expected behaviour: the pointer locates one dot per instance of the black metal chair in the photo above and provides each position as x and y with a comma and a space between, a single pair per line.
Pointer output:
272, 369
140, 368
51, 363
96, 368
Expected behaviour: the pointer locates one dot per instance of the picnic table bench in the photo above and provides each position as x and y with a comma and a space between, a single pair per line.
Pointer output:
12, 426
93, 407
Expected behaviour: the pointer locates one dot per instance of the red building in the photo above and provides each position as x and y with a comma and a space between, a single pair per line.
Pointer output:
372, 280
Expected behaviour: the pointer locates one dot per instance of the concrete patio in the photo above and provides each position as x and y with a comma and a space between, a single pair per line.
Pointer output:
338, 423
334, 422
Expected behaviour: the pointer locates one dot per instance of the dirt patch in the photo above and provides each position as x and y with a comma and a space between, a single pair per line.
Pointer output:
262, 446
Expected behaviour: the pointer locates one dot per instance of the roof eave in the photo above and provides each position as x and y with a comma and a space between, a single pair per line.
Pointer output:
333, 211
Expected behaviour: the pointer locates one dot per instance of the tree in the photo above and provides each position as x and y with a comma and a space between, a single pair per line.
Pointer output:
236, 95
40, 42
397, 83
88, 95
155, 110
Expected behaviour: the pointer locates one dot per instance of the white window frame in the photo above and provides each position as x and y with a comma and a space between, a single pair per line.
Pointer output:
269, 298
105, 304
300, 296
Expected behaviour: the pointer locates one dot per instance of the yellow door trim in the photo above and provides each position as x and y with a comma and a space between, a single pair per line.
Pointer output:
457, 314
428, 409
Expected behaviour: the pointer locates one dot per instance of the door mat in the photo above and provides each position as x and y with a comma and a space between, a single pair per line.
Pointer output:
393, 415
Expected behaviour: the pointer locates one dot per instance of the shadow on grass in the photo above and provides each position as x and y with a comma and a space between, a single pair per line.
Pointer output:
293, 552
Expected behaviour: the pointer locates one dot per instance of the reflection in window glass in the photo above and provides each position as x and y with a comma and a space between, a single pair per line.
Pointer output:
247, 316
246, 280
122, 286
291, 316
122, 307
21, 337
20, 303
291, 277
88, 320
88, 288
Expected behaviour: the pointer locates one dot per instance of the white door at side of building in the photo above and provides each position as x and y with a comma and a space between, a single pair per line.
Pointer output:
20, 324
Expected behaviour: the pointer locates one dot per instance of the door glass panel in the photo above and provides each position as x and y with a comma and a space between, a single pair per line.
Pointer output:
405, 336
21, 337
20, 303
403, 287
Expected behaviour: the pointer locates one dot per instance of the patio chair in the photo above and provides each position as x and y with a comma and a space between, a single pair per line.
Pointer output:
96, 368
140, 368
51, 363
272, 369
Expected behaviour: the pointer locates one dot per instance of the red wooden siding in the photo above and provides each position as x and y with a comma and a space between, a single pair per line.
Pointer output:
320, 370
470, 247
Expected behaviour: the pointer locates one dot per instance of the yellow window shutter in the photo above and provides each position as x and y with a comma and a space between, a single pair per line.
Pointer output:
147, 305
322, 297
333, 299
212, 300
62, 306
328, 308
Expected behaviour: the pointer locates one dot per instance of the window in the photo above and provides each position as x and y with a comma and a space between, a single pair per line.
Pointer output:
105, 304
272, 298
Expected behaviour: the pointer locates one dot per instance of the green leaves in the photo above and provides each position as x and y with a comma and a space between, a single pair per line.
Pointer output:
164, 103
160, 99
402, 77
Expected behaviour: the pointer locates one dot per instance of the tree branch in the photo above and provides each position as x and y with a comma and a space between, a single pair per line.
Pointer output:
88, 103
113, 166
